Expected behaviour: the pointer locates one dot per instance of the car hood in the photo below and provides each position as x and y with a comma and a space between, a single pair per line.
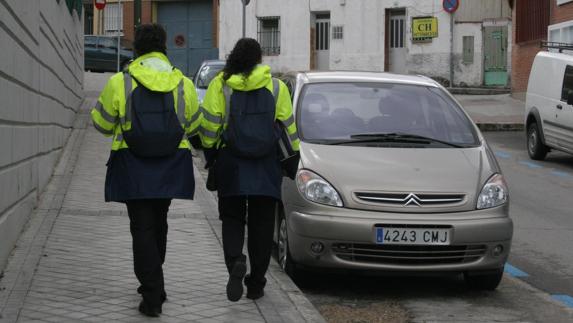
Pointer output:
397, 172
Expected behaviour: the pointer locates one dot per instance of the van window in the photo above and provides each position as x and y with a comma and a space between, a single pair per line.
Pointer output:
567, 83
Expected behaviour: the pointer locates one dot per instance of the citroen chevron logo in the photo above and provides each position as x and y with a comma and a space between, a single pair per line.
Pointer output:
412, 199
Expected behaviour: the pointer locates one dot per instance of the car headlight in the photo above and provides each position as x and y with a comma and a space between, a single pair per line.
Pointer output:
494, 193
316, 189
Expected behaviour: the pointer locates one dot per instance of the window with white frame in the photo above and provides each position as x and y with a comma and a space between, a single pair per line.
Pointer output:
561, 33
269, 34
337, 32
113, 19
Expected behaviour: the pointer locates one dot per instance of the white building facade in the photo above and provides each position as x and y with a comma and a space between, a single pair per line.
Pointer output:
378, 35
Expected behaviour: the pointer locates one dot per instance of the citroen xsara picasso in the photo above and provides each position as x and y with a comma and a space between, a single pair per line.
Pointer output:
394, 176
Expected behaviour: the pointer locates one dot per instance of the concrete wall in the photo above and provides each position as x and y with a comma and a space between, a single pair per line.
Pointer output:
363, 46
41, 76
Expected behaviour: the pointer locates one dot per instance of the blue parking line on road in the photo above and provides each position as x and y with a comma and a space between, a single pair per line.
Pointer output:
502, 154
530, 164
514, 271
565, 299
560, 174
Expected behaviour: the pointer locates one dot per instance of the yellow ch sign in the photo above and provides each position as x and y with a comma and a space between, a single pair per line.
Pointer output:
425, 27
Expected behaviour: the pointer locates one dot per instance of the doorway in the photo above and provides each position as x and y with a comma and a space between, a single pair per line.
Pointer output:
189, 27
322, 42
396, 41
495, 56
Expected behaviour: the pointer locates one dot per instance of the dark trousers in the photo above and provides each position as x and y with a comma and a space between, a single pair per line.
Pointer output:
148, 226
257, 212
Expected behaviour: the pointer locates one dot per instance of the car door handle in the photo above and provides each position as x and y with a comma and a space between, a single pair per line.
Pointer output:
560, 107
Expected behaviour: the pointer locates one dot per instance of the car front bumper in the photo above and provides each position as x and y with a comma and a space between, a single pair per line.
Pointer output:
349, 240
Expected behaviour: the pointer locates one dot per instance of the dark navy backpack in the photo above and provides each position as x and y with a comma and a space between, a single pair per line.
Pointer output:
252, 131
156, 129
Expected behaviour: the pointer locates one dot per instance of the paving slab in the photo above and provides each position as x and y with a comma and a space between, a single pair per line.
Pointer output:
73, 262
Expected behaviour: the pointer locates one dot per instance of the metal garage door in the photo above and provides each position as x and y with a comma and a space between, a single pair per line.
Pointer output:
189, 28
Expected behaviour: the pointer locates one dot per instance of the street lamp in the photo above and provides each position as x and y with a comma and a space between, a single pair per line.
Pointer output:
119, 28
245, 3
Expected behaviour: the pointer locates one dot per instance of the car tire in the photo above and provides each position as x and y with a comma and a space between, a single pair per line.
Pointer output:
483, 281
535, 147
284, 258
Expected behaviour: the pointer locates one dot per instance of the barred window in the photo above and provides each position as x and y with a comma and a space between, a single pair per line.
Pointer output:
113, 19
269, 34
337, 32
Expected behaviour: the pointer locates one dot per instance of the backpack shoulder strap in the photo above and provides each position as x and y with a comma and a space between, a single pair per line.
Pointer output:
181, 104
128, 89
227, 91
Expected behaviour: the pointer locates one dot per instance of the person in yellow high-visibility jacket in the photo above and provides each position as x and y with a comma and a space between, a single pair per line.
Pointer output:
242, 110
150, 110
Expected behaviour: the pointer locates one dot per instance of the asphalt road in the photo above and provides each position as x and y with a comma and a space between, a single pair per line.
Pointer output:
537, 287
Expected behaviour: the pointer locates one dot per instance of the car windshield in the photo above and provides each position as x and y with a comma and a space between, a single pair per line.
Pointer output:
361, 113
207, 74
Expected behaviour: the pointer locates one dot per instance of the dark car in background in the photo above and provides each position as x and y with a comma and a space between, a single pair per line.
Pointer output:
101, 53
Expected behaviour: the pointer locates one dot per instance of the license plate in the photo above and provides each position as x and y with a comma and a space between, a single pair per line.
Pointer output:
412, 236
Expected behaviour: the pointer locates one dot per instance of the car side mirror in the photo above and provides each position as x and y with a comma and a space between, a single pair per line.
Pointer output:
570, 98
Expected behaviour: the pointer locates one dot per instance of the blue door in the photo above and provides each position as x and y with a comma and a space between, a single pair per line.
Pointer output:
189, 27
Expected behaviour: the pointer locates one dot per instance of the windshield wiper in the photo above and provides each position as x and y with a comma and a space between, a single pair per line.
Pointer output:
393, 137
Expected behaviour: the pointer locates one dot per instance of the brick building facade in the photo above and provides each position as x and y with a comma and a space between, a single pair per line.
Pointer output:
536, 21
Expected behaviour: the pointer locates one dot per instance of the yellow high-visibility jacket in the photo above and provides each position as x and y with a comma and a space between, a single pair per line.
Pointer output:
131, 177
214, 105
154, 71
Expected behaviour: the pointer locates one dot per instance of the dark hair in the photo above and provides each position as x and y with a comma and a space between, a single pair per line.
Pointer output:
150, 38
243, 59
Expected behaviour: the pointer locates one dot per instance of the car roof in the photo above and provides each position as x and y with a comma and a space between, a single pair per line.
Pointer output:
567, 58
214, 62
357, 76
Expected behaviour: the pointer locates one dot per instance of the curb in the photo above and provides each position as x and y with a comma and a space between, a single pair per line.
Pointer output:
478, 91
501, 126
269, 311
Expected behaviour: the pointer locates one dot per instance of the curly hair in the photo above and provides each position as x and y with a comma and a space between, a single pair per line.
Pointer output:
244, 57
150, 38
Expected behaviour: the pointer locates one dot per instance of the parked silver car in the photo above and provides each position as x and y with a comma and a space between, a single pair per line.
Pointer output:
205, 74
394, 176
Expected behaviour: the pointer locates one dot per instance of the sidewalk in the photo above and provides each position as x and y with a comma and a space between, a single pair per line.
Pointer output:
494, 112
73, 262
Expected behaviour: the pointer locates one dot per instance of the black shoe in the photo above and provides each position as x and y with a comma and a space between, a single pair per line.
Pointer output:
255, 293
235, 283
149, 310
255, 290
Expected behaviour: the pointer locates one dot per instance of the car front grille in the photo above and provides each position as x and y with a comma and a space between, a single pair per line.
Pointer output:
410, 199
408, 255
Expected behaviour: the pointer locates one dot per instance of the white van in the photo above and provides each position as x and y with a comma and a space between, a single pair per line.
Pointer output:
549, 105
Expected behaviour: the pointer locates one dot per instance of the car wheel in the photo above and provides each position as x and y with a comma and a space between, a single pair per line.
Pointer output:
535, 147
483, 281
283, 254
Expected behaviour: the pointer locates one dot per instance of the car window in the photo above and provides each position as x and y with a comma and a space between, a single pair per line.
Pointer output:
207, 74
335, 111
289, 82
108, 43
90, 41
567, 83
